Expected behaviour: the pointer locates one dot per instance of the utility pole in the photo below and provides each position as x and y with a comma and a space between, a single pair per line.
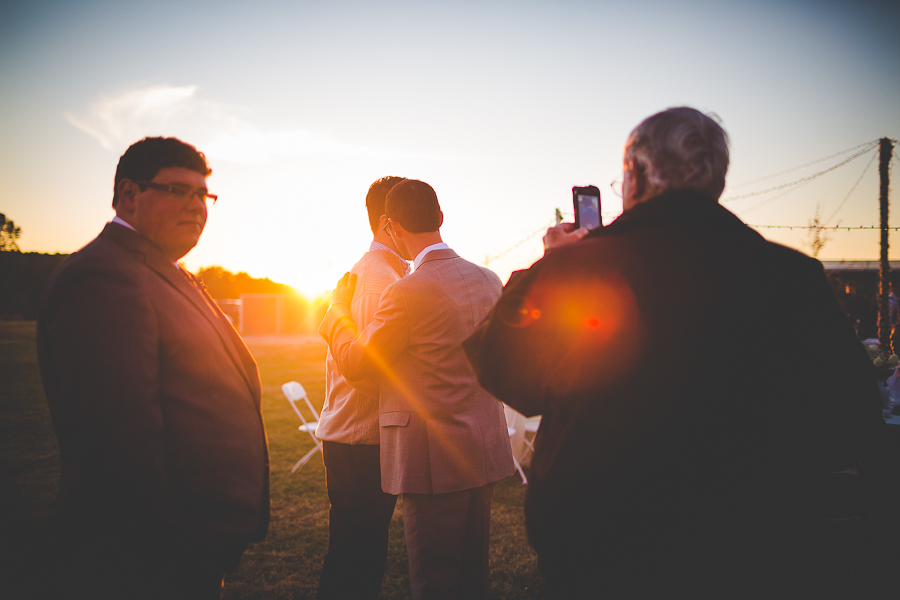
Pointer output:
884, 272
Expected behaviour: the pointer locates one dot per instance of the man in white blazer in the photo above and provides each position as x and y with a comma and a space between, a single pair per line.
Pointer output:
444, 442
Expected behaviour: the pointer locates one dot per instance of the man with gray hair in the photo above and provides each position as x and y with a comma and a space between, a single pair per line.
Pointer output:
703, 397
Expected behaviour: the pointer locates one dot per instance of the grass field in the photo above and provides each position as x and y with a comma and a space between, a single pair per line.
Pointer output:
287, 564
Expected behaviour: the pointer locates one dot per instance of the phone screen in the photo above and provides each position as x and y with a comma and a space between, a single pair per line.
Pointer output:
588, 211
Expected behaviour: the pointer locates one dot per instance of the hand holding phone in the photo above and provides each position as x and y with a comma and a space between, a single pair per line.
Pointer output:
562, 234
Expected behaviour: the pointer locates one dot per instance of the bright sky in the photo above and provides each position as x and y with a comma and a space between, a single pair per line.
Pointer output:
501, 106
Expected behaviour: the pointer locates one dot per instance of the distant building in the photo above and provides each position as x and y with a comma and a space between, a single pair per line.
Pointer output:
232, 310
855, 285
861, 274
268, 314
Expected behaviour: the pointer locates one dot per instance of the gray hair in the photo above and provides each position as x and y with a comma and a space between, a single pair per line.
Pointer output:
680, 149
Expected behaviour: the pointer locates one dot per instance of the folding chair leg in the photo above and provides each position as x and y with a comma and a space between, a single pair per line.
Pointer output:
519, 469
528, 449
303, 460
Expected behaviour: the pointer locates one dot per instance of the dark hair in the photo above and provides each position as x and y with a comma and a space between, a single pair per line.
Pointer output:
378, 191
144, 159
414, 205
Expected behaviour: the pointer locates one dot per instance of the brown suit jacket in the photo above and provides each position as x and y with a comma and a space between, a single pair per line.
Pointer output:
440, 431
155, 400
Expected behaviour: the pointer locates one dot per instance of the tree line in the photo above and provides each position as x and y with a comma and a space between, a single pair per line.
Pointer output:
297, 314
24, 275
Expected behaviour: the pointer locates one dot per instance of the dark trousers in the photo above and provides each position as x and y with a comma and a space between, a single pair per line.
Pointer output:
358, 522
447, 539
107, 567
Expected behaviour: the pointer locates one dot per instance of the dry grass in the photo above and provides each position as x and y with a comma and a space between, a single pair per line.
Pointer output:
287, 564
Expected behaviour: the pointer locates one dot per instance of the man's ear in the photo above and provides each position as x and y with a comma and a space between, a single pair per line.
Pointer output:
126, 192
442, 219
638, 181
382, 221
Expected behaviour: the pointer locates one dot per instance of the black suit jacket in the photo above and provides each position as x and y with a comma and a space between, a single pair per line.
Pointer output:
697, 385
156, 404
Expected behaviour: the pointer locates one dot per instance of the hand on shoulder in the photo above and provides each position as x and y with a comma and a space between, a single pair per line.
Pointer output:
343, 292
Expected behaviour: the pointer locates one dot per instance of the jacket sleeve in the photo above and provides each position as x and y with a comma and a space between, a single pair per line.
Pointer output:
362, 311
368, 354
498, 349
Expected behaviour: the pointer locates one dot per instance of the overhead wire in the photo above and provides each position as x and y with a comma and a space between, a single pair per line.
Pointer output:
835, 227
840, 206
757, 180
788, 187
519, 243
853, 189
802, 180
774, 198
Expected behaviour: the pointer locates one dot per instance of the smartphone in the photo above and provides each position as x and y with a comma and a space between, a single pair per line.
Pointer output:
587, 207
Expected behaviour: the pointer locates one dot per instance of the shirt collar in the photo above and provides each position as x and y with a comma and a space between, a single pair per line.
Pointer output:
426, 250
125, 223
379, 246
122, 222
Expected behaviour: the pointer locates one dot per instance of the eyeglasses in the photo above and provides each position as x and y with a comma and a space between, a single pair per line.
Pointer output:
179, 190
617, 187
387, 228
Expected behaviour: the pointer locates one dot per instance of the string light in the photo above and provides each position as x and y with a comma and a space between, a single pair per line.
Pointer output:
517, 244
757, 180
847, 197
804, 179
836, 227
774, 198
793, 186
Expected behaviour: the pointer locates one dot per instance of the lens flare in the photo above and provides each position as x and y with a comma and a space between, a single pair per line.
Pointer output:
587, 331
518, 311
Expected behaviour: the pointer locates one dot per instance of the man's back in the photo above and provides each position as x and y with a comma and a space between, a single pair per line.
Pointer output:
697, 384
440, 431
350, 413
444, 441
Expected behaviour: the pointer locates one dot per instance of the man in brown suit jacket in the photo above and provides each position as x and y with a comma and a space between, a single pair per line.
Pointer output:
154, 397
444, 442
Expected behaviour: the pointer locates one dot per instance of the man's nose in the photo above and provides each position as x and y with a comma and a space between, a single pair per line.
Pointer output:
197, 202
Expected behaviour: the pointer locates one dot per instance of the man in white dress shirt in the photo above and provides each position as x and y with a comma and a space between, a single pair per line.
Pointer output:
360, 512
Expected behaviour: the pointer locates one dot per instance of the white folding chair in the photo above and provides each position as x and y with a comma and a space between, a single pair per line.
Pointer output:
294, 392
512, 432
529, 425
511, 421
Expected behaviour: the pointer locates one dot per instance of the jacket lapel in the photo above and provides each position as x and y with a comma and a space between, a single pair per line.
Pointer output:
170, 272
237, 347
